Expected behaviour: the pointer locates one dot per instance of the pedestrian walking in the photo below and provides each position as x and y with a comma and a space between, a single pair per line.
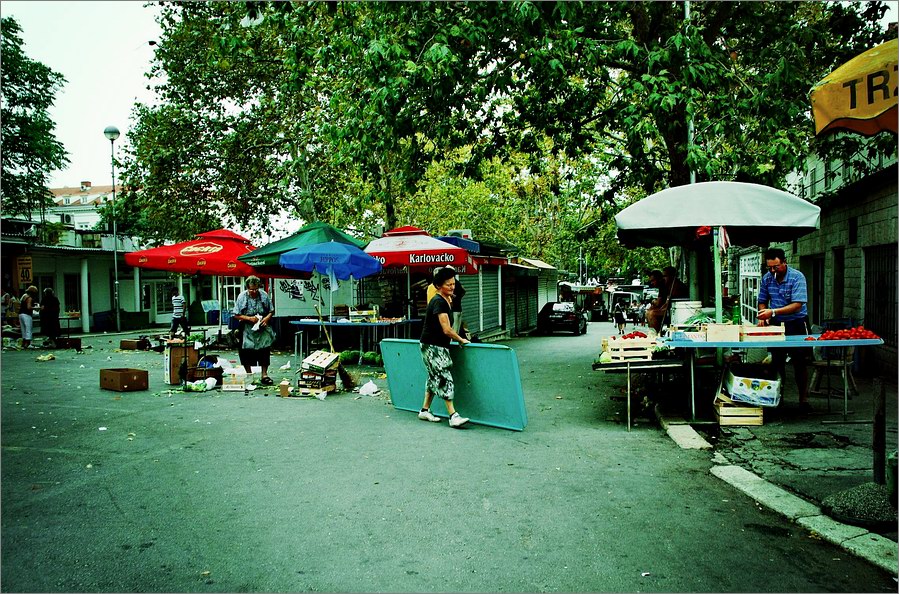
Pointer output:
179, 317
437, 331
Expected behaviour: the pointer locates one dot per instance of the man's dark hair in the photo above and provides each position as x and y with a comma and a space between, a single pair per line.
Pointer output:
441, 275
775, 254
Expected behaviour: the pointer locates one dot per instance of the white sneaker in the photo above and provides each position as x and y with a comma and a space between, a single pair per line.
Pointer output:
458, 420
425, 415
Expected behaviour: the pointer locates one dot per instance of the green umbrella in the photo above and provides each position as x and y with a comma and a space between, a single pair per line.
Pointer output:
266, 258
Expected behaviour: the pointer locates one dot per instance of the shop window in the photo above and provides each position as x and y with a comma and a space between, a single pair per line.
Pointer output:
72, 293
853, 230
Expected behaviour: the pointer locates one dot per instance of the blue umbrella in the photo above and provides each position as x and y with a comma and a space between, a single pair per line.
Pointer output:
334, 259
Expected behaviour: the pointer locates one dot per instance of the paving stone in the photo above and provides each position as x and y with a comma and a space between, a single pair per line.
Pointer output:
831, 530
767, 494
876, 549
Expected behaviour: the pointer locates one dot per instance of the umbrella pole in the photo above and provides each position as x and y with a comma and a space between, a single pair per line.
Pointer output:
718, 305
220, 280
408, 293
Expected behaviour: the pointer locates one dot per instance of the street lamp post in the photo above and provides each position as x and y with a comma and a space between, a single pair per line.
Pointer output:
111, 132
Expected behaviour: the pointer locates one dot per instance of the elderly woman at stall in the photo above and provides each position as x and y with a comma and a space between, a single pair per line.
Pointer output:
254, 310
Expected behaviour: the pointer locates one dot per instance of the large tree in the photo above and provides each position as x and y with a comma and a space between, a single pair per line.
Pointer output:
340, 111
30, 151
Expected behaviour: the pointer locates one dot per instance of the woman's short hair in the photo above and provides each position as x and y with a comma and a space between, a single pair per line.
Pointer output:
31, 289
252, 280
441, 275
48, 291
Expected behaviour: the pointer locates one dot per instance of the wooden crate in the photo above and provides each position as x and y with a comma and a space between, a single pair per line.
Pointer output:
321, 361
314, 391
732, 414
760, 333
234, 379
722, 332
631, 349
315, 379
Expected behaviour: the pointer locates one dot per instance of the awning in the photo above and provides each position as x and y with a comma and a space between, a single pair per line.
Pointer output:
538, 263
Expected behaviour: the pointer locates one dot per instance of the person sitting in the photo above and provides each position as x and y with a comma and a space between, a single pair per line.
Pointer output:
675, 287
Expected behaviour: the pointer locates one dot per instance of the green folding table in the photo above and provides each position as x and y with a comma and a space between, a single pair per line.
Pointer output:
486, 377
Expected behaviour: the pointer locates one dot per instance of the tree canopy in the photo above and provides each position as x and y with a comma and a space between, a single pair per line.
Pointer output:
30, 151
531, 122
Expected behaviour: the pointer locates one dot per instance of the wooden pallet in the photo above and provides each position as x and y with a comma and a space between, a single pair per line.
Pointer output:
321, 361
631, 349
730, 413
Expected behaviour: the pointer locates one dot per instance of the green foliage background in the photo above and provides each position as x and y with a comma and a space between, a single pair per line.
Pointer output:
532, 123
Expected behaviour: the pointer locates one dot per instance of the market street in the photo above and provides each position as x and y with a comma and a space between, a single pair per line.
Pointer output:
221, 491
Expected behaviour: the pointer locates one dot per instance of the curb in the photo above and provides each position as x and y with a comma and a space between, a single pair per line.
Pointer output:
870, 546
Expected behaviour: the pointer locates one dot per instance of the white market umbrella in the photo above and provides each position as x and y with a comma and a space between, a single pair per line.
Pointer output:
751, 214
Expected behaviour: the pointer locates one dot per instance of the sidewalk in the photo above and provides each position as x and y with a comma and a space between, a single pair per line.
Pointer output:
794, 463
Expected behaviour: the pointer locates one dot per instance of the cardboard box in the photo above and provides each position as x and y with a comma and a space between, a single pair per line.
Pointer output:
124, 379
760, 391
723, 332
234, 379
135, 345
174, 357
285, 389
761, 333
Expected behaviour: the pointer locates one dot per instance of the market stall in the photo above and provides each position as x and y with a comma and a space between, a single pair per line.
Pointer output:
408, 249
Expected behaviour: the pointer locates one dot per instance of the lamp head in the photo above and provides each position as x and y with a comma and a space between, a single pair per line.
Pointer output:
111, 132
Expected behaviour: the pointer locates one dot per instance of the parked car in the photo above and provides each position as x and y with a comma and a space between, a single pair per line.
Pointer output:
561, 315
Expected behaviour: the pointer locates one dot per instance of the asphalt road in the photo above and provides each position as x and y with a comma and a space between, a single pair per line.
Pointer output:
167, 492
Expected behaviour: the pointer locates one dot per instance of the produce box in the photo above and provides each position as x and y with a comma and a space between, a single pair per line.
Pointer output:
314, 379
285, 389
141, 344
631, 349
364, 315
753, 384
174, 356
124, 379
730, 413
761, 333
234, 379
321, 361
722, 332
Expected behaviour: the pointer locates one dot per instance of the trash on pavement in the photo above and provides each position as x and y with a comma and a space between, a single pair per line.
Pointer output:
369, 389
47, 357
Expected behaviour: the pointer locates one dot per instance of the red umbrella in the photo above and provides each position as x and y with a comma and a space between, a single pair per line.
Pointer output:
213, 253
412, 247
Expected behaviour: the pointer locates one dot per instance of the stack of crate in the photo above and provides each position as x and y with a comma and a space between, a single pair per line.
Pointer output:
318, 373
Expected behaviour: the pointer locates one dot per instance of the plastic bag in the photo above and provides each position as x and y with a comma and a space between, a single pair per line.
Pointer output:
369, 389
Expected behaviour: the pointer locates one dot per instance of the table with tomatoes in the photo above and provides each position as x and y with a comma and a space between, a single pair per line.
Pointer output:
851, 337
